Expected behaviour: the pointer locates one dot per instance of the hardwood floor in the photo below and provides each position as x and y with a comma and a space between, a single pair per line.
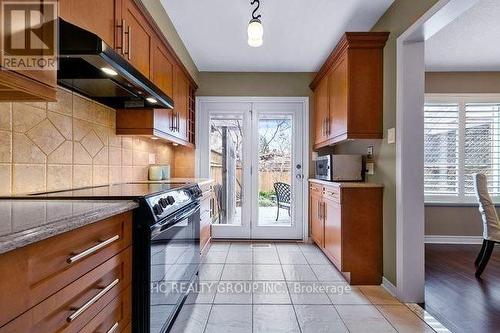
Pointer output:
454, 296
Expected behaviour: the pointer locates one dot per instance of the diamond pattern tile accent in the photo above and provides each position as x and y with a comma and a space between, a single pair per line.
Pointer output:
46, 136
92, 143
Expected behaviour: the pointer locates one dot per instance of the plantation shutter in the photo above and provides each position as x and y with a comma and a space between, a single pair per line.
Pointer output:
482, 153
441, 160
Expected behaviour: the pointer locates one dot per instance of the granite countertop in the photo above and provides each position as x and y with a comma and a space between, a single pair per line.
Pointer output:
345, 184
23, 222
199, 181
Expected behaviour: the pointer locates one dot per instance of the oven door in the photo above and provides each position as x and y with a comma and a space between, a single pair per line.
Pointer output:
175, 256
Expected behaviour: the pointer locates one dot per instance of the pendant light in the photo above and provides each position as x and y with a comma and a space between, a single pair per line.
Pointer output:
255, 29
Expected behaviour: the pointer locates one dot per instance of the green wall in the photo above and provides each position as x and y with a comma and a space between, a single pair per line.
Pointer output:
399, 17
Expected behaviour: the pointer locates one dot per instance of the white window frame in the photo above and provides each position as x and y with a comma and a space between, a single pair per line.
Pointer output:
461, 100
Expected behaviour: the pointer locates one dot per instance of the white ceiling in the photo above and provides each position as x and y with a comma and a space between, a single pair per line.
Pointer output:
470, 43
298, 34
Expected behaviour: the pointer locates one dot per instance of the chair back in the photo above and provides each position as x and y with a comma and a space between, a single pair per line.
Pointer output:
491, 225
283, 192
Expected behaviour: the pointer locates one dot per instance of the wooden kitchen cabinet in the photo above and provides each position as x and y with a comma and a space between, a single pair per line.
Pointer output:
332, 216
348, 90
322, 112
316, 221
98, 16
162, 68
138, 36
43, 283
181, 104
207, 204
346, 224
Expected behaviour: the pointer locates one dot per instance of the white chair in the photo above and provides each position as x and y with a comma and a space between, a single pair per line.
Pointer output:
491, 224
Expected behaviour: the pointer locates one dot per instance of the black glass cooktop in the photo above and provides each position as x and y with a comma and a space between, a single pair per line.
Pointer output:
113, 191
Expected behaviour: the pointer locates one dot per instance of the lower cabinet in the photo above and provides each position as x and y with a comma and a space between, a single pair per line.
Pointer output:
346, 223
87, 288
206, 216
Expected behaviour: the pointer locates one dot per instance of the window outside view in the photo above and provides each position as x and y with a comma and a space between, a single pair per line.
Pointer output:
461, 139
274, 169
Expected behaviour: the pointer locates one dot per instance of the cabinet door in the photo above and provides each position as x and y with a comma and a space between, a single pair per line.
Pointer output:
317, 223
321, 110
338, 99
97, 16
138, 45
181, 92
162, 68
333, 232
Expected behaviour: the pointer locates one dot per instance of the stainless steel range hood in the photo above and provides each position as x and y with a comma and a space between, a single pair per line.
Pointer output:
89, 66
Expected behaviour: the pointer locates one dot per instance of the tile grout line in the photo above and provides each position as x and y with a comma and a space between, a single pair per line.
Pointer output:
288, 289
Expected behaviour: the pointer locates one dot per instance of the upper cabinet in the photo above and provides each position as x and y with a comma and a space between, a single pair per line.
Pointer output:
127, 26
348, 90
138, 37
162, 68
97, 16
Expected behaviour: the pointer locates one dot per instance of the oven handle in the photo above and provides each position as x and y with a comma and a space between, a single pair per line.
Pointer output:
175, 219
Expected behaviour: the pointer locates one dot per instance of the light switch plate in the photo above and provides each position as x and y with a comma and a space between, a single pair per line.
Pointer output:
370, 168
369, 152
391, 135
152, 158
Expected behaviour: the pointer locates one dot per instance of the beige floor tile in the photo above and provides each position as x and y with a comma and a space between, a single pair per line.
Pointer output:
268, 273
345, 294
378, 295
274, 318
191, 319
364, 318
234, 292
403, 319
271, 292
319, 319
232, 318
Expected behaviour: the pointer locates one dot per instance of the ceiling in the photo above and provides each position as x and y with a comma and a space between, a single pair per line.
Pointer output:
298, 34
470, 43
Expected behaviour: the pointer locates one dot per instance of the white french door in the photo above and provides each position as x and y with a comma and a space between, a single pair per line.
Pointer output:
254, 149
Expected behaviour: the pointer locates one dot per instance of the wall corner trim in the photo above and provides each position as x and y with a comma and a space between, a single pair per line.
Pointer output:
443, 239
389, 286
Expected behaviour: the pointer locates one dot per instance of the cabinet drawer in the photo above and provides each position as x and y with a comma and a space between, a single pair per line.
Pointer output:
114, 318
71, 308
315, 188
35, 272
332, 193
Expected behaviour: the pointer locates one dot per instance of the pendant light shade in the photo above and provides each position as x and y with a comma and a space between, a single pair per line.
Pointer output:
255, 33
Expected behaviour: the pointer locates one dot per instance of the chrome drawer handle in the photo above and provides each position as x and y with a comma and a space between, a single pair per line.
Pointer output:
93, 249
93, 300
113, 328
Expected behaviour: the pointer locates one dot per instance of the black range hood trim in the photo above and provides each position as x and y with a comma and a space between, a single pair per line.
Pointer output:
77, 44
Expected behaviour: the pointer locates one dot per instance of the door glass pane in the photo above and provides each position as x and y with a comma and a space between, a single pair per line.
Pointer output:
226, 167
274, 170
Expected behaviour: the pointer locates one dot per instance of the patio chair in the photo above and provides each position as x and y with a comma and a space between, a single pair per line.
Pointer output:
491, 224
283, 196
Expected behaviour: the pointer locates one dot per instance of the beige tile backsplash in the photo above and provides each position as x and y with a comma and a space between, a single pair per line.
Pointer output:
69, 143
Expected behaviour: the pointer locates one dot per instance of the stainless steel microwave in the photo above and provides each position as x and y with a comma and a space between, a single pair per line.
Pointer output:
339, 168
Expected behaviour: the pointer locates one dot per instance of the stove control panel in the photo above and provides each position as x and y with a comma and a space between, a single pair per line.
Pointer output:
166, 203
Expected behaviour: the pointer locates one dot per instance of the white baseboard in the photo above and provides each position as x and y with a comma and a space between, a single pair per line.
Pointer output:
389, 286
441, 239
